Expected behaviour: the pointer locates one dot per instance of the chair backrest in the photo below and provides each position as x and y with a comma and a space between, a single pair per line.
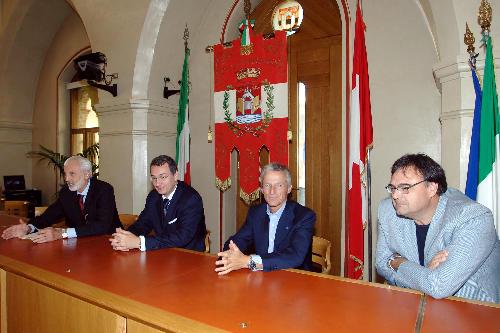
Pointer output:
127, 220
19, 208
39, 210
207, 241
321, 253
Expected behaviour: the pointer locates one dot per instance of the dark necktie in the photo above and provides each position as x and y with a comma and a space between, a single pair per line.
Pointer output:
80, 202
165, 206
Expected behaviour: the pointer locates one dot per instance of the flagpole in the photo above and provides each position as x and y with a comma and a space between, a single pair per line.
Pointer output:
369, 217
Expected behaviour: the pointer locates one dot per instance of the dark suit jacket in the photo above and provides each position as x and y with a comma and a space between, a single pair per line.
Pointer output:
99, 215
184, 225
293, 240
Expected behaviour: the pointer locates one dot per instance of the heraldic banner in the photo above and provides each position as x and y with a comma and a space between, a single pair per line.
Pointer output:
251, 107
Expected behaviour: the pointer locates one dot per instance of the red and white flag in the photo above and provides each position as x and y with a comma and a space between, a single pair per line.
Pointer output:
251, 108
360, 140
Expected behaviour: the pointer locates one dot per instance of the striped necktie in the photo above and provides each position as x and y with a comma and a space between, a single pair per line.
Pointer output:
165, 206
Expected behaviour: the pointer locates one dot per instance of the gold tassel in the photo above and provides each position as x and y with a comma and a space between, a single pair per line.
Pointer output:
248, 198
222, 185
210, 134
289, 135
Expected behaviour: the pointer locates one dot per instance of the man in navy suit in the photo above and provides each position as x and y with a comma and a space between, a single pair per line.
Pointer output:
280, 230
87, 205
174, 211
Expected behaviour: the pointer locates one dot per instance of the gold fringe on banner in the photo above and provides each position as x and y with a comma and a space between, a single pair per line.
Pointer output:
360, 265
223, 185
248, 198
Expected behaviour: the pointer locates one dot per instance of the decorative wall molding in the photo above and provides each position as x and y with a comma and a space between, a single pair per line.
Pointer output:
443, 70
138, 133
136, 105
16, 125
456, 114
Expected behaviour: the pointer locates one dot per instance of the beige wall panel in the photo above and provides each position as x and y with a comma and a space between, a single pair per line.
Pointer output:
55, 311
15, 141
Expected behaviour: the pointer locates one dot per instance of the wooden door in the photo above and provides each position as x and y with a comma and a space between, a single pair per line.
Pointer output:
317, 64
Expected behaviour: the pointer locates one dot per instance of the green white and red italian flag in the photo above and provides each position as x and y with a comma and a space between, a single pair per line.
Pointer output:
360, 140
183, 137
489, 145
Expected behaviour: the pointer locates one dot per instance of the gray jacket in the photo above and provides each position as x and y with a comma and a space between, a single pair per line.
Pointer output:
466, 230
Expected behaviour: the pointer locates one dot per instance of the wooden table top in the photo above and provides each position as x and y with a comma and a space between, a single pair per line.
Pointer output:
185, 283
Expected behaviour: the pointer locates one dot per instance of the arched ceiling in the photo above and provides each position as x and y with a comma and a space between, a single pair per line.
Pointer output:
25, 38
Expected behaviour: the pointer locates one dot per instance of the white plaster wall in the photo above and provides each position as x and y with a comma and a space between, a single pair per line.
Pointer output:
204, 19
405, 100
15, 141
25, 35
67, 43
114, 30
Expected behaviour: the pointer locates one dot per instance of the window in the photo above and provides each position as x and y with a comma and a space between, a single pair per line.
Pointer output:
301, 158
84, 122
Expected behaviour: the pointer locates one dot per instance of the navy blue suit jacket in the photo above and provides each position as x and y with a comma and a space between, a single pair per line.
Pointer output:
183, 226
99, 212
293, 240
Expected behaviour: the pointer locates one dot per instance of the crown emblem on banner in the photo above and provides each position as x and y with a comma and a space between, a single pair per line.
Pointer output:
248, 73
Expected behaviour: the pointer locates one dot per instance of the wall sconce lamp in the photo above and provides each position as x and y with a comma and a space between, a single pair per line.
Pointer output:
92, 67
168, 92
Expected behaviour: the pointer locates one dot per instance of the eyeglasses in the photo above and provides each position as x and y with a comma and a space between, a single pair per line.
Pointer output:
160, 178
403, 188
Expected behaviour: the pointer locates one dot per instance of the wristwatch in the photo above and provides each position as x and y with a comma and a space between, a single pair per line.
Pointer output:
391, 259
252, 265
64, 233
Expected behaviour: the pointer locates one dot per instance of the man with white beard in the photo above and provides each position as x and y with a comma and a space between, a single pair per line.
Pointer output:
87, 205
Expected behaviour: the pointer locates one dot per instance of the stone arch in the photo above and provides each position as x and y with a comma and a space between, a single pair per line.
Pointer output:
146, 48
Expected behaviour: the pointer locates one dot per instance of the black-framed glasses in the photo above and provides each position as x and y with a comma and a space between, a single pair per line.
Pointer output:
402, 188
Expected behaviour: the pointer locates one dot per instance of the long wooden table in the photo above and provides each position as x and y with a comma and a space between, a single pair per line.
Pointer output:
82, 285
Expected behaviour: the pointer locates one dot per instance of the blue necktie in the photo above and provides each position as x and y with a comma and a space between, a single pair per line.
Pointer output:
165, 206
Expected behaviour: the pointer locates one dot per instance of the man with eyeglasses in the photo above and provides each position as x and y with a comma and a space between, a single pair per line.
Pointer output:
279, 230
173, 210
435, 239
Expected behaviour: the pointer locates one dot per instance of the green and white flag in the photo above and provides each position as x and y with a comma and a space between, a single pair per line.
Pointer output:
183, 137
489, 145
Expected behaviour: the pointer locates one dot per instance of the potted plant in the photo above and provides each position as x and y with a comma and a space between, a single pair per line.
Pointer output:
57, 159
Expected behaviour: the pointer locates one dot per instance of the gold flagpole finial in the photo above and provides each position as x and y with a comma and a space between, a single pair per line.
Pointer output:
484, 16
469, 40
186, 36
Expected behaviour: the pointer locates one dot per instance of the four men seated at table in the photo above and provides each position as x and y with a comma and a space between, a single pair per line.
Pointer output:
430, 237
174, 211
435, 239
87, 204
280, 230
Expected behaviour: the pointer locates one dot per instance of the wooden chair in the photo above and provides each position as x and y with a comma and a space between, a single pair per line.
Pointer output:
207, 241
127, 220
321, 253
19, 208
39, 210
